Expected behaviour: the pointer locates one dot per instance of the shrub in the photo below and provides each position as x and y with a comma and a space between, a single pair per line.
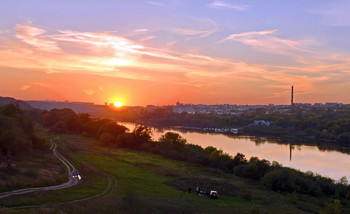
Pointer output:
332, 208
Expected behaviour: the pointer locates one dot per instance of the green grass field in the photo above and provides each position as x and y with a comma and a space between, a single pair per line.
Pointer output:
132, 178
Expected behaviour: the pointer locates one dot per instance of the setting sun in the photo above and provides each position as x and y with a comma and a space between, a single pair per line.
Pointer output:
118, 104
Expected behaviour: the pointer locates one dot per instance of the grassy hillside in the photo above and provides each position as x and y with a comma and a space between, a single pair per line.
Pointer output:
124, 181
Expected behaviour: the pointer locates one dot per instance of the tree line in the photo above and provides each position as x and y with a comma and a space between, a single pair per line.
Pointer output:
171, 145
17, 131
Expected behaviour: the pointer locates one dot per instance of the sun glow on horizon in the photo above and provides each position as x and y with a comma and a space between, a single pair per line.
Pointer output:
118, 104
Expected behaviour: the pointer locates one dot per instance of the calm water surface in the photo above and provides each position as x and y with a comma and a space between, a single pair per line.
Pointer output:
333, 164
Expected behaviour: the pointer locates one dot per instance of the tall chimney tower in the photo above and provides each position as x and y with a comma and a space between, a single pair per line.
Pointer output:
291, 103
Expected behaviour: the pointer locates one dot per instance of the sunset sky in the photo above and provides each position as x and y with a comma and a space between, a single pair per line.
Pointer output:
160, 52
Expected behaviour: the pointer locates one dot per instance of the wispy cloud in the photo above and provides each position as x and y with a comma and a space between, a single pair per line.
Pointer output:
264, 40
89, 92
34, 37
221, 4
146, 38
155, 3
141, 30
171, 43
192, 32
25, 87
267, 41
248, 35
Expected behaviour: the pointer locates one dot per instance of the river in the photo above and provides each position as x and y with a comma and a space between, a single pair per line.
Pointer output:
333, 164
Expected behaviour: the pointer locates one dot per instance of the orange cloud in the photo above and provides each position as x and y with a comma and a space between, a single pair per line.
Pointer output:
89, 92
25, 87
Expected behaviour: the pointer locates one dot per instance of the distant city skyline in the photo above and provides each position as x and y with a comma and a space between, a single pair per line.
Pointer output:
325, 104
159, 52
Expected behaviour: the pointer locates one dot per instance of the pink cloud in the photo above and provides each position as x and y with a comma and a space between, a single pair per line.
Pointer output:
33, 36
221, 4
266, 41
171, 43
146, 38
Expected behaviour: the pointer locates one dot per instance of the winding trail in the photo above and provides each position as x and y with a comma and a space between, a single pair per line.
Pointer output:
109, 189
73, 176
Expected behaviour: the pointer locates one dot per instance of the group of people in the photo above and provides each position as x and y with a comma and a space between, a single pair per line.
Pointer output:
199, 191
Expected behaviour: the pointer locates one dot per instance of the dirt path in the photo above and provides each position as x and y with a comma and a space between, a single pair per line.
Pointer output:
73, 176
110, 187
74, 179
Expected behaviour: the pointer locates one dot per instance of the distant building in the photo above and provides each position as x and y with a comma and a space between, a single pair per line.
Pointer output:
221, 130
261, 123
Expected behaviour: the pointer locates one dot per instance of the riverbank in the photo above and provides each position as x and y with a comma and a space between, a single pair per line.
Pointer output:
315, 123
295, 155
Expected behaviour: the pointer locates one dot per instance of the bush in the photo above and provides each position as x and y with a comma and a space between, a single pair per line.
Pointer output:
280, 180
332, 208
107, 138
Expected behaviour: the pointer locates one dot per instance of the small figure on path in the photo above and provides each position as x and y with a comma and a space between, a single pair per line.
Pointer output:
9, 167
